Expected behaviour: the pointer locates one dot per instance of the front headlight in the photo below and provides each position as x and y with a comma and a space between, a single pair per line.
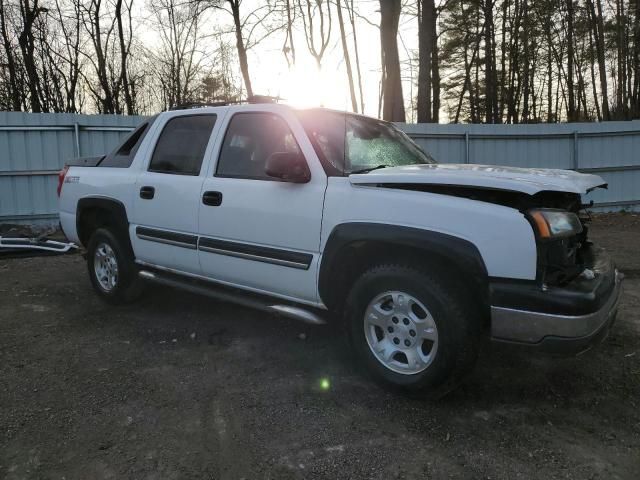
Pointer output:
555, 223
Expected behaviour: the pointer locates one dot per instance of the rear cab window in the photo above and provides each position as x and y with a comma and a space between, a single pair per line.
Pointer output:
123, 155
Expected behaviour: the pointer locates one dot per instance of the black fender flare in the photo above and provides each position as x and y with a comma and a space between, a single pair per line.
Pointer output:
115, 208
462, 255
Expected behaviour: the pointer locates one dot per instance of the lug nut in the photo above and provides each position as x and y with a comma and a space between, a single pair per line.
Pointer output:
394, 320
390, 329
412, 333
407, 343
405, 321
396, 340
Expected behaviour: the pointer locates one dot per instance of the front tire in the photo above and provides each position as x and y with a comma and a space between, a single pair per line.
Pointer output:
112, 271
411, 329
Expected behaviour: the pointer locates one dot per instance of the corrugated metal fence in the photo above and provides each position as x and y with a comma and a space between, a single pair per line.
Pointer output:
33, 147
611, 150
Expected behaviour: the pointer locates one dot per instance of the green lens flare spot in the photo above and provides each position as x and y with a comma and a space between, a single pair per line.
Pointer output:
325, 384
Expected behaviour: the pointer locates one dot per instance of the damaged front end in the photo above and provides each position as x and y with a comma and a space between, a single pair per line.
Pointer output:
573, 301
562, 256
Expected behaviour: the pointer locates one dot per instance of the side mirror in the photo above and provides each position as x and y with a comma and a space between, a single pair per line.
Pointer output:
287, 166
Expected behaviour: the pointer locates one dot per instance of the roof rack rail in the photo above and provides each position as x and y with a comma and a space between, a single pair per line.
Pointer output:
253, 99
188, 105
263, 99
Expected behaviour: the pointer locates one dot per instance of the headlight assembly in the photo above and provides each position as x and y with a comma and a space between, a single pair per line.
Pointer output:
551, 223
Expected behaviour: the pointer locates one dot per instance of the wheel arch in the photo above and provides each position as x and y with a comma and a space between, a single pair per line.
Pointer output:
354, 247
96, 212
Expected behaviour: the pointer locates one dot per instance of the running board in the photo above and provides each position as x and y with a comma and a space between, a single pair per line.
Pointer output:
305, 315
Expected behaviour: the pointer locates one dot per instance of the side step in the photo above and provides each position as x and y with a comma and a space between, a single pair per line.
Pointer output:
307, 315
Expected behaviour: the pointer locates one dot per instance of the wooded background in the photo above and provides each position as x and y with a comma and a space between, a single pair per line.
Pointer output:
480, 61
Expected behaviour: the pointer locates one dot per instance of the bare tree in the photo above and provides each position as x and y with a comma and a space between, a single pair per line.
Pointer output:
393, 101
13, 87
308, 15
29, 13
571, 106
242, 51
125, 38
426, 37
598, 32
176, 61
289, 47
352, 20
105, 93
246, 30
68, 51
347, 59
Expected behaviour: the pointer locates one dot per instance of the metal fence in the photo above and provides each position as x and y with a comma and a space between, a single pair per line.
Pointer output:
611, 150
33, 148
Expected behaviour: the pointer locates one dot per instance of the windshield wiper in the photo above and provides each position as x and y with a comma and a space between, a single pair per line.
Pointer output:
369, 169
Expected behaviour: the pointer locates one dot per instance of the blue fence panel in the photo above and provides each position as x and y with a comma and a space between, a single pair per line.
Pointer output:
33, 148
607, 149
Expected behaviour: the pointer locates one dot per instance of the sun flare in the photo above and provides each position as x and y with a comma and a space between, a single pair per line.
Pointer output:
307, 86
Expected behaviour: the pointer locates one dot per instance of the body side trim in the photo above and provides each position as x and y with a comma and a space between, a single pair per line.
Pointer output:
171, 238
276, 256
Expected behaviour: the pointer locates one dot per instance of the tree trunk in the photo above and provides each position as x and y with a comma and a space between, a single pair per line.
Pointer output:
352, 20
514, 65
435, 75
598, 28
503, 59
107, 100
289, 39
242, 51
571, 107
636, 62
466, 85
124, 54
491, 80
550, 117
426, 36
527, 63
621, 90
596, 100
347, 59
393, 101
27, 47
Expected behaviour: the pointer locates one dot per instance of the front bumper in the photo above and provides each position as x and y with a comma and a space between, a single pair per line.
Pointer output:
563, 320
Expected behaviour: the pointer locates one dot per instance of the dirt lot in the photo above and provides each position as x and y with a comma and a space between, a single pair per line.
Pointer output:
179, 386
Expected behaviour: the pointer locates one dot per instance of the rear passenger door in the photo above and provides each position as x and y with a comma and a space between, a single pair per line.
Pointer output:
167, 193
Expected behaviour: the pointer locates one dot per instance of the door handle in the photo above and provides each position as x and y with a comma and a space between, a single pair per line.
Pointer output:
213, 199
147, 192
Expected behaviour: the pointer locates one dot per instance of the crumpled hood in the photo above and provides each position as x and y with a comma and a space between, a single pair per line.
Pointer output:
526, 180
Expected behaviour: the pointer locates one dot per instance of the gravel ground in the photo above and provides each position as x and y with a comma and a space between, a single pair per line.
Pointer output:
179, 386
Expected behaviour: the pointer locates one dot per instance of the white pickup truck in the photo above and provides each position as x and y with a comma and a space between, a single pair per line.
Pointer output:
318, 214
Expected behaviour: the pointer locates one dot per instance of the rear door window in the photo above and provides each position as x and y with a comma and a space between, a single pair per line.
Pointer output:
181, 145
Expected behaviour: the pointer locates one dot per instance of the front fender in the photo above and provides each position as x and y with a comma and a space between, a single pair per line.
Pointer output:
461, 255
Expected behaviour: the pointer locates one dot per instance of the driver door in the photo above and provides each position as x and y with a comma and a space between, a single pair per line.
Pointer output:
258, 232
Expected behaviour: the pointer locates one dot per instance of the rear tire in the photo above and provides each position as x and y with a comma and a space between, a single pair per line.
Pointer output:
112, 269
411, 329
